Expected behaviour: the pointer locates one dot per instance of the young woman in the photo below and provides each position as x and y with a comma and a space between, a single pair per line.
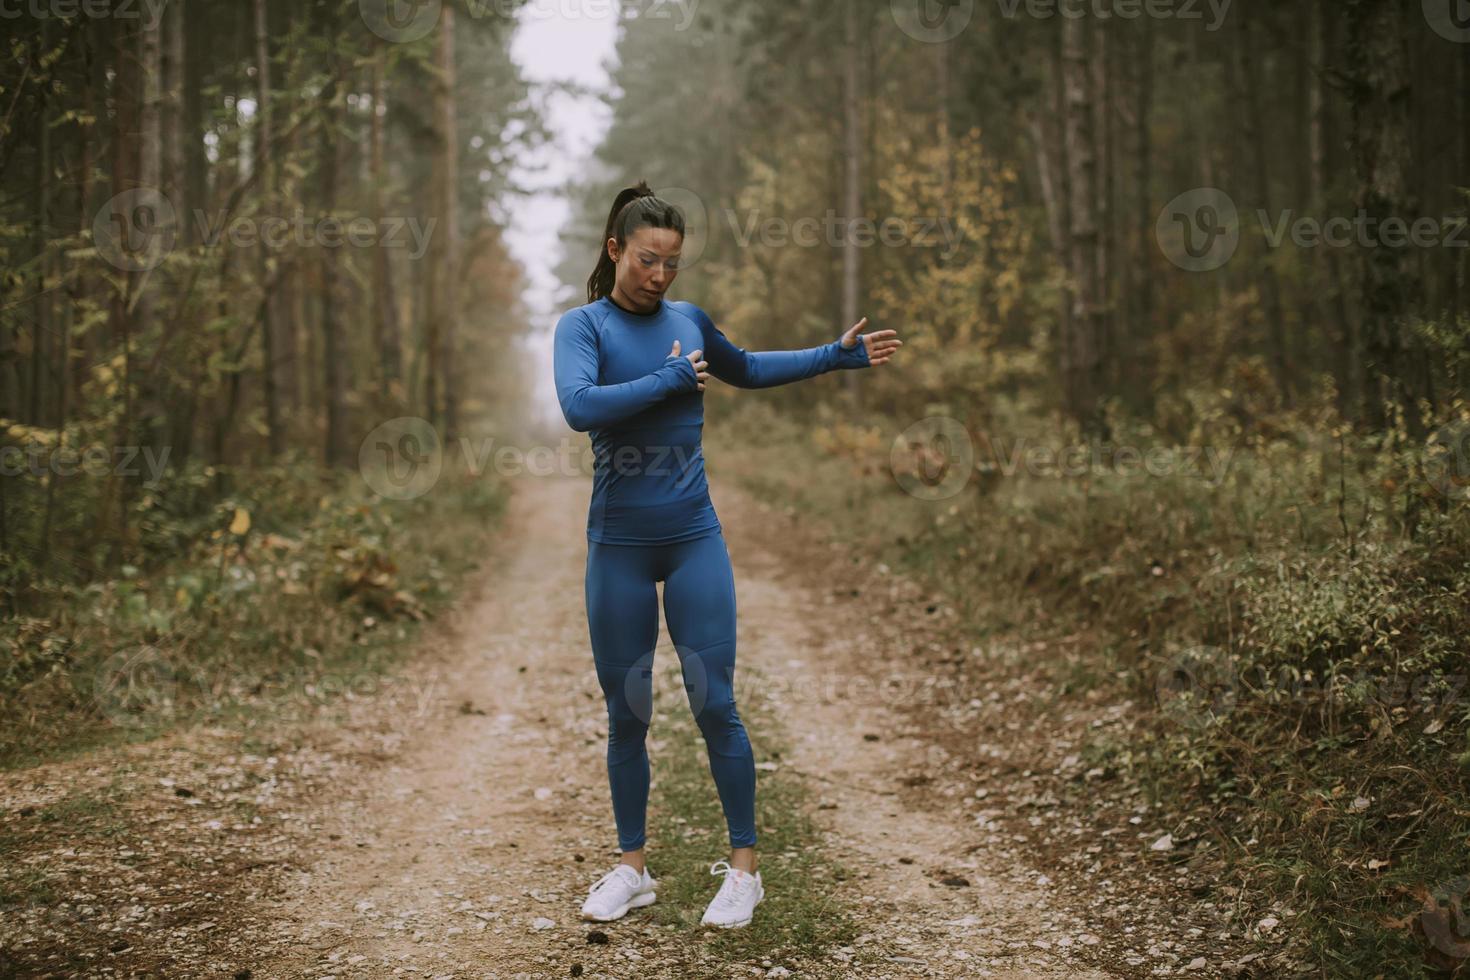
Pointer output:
621, 375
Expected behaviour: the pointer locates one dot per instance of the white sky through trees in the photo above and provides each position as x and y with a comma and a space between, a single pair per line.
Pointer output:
555, 43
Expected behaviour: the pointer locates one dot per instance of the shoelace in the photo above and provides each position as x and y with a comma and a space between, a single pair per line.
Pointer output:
614, 873
734, 888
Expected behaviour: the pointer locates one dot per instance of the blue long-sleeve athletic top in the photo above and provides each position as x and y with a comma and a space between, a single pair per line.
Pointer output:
645, 413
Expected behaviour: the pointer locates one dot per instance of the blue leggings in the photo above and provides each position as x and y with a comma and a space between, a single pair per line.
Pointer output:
622, 616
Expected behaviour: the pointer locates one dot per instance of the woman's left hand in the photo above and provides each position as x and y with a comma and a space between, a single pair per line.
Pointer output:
881, 344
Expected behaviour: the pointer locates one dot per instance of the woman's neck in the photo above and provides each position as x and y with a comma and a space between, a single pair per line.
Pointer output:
626, 308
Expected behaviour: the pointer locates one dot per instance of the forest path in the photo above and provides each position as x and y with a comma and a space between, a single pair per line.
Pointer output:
449, 822
471, 831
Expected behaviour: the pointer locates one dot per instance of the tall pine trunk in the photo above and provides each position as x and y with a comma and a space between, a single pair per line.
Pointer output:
1380, 98
385, 308
264, 152
1081, 349
852, 196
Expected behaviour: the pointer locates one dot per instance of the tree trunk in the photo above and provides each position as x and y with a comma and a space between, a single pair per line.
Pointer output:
1102, 88
442, 304
1137, 346
333, 346
41, 329
1331, 294
1260, 183
173, 106
449, 226
264, 152
852, 177
942, 109
385, 309
195, 177
137, 310
1081, 349
1380, 101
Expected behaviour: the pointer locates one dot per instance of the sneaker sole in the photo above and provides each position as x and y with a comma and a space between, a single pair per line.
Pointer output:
636, 902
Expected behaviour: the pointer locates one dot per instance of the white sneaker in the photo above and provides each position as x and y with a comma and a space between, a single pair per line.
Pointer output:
737, 898
616, 892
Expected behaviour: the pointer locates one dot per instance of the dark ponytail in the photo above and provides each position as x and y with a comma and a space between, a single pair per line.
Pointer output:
634, 208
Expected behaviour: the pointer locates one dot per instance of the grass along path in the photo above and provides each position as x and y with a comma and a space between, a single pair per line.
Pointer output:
449, 825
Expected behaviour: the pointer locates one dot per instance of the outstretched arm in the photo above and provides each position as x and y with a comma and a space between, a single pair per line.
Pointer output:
587, 405
765, 369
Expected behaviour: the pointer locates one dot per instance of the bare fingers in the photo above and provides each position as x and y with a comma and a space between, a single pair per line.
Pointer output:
882, 351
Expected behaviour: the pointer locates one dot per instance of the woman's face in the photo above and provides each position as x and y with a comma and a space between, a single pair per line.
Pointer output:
646, 267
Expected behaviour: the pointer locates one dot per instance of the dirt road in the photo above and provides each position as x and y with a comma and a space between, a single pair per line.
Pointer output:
451, 825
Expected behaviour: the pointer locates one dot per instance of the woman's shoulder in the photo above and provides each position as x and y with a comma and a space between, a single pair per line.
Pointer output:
693, 312
584, 316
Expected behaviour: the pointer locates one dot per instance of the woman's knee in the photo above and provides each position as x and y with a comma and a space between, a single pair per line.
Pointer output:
625, 725
715, 712
628, 693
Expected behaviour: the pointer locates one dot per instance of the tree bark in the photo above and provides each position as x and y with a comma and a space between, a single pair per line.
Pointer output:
1260, 182
443, 298
41, 327
852, 177
1101, 97
385, 309
1081, 349
1143, 298
264, 152
1331, 294
1380, 101
333, 346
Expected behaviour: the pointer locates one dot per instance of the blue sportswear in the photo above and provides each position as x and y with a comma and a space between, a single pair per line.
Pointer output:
616, 380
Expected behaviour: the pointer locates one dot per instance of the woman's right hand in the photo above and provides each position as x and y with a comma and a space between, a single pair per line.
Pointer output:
696, 358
